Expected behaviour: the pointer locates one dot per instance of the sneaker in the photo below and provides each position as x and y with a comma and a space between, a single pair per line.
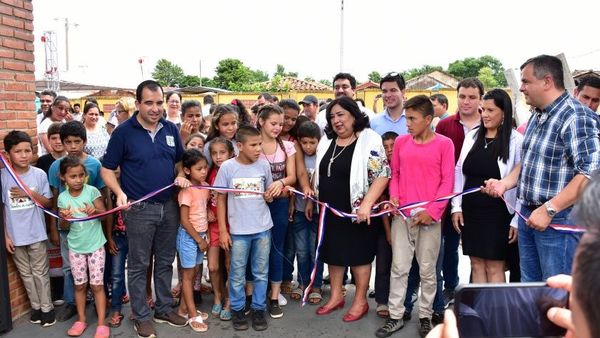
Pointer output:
372, 294
407, 316
281, 299
170, 318
36, 316
274, 309
248, 306
425, 326
437, 318
391, 326
144, 329
58, 302
48, 318
240, 323
259, 322
67, 313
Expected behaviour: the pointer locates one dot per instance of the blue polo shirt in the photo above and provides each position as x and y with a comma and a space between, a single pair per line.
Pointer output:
382, 123
147, 161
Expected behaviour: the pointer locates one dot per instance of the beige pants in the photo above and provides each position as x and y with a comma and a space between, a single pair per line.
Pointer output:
424, 242
32, 263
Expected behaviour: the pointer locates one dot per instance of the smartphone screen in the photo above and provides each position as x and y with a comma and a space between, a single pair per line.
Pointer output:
508, 310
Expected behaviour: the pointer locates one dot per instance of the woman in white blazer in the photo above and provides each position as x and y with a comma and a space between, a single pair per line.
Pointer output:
486, 224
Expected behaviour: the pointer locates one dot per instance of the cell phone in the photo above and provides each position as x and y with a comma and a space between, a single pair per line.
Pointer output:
508, 310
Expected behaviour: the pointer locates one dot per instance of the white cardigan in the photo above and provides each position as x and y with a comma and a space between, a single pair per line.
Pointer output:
514, 158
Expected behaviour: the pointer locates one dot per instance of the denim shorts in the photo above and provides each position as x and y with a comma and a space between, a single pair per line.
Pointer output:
187, 249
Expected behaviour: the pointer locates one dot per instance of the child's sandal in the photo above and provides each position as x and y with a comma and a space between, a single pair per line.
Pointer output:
102, 331
216, 309
197, 324
296, 293
225, 315
77, 329
116, 319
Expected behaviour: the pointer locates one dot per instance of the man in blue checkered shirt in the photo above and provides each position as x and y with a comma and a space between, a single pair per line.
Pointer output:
561, 150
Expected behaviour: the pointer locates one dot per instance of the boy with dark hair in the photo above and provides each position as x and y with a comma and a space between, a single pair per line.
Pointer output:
25, 232
249, 224
57, 150
73, 136
426, 161
588, 91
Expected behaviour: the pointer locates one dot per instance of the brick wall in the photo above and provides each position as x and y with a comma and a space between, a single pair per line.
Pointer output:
17, 95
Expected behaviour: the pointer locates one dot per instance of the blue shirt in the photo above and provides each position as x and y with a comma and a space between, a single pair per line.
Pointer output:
92, 167
147, 160
560, 142
382, 123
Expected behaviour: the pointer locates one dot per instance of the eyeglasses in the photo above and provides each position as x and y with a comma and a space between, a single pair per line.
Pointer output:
174, 102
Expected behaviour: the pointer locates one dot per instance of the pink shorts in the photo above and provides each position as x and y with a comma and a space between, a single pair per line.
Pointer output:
94, 262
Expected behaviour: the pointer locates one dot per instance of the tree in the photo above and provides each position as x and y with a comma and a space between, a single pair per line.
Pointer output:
281, 71
190, 81
259, 76
232, 74
374, 76
167, 73
470, 67
486, 76
326, 82
425, 69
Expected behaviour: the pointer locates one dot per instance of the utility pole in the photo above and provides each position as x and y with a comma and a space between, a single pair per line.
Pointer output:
342, 38
66, 20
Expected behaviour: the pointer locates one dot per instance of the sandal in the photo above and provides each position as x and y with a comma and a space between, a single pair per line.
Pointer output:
197, 324
225, 315
77, 329
216, 309
382, 311
315, 296
297, 293
102, 331
116, 319
199, 313
286, 288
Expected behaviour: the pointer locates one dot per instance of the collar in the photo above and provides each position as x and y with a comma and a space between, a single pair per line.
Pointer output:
387, 115
549, 108
137, 124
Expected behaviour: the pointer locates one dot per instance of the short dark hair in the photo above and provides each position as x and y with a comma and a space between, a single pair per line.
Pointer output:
191, 157
347, 76
547, 64
289, 103
48, 92
441, 98
70, 161
471, 82
361, 121
586, 279
15, 137
420, 103
187, 104
54, 129
588, 80
266, 96
89, 106
151, 85
309, 129
171, 93
393, 77
73, 128
77, 105
389, 135
244, 132
208, 99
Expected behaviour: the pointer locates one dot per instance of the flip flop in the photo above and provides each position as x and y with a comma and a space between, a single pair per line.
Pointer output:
225, 315
216, 309
315, 296
296, 293
77, 329
102, 331
197, 324
115, 321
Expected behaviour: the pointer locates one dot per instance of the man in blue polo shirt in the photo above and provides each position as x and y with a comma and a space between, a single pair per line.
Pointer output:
146, 148
392, 118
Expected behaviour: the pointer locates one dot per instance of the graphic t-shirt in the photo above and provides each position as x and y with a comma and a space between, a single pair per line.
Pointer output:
277, 160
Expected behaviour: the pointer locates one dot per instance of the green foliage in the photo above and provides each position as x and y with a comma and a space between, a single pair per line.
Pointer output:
280, 70
470, 67
375, 76
486, 75
415, 72
232, 74
167, 73
326, 82
190, 81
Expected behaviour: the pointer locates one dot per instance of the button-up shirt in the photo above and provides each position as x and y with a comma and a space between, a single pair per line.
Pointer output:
382, 123
560, 142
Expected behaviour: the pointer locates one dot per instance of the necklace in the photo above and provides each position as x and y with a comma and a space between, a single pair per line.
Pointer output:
274, 154
488, 143
334, 156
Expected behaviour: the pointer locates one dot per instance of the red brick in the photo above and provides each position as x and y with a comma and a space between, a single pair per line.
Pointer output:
6, 53
18, 124
29, 47
15, 87
27, 116
13, 43
7, 75
15, 65
9, 116
27, 36
30, 67
16, 105
7, 31
27, 5
23, 14
8, 96
10, 21
25, 56
29, 26
14, 3
4, 9
25, 96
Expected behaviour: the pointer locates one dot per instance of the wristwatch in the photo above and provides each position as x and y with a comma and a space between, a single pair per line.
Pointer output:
550, 209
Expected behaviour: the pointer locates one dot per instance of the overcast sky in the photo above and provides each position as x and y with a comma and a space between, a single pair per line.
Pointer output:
304, 36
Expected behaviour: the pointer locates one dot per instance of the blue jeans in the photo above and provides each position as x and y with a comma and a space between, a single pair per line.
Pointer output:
305, 239
253, 249
289, 252
546, 253
118, 271
414, 280
151, 229
279, 214
69, 285
451, 239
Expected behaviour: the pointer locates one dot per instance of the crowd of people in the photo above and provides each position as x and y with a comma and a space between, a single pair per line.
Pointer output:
253, 228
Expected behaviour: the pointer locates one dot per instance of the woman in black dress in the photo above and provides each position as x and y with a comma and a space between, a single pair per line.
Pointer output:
351, 173
484, 222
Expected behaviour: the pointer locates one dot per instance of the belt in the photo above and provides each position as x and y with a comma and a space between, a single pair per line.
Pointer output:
532, 207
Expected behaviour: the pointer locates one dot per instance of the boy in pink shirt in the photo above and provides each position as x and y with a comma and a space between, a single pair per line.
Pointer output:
422, 170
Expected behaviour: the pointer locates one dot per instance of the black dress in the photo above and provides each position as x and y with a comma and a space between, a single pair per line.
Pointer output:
487, 220
345, 243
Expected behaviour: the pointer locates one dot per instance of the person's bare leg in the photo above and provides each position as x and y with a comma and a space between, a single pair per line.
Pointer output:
100, 300
494, 271
478, 270
335, 279
214, 270
362, 274
187, 293
80, 298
